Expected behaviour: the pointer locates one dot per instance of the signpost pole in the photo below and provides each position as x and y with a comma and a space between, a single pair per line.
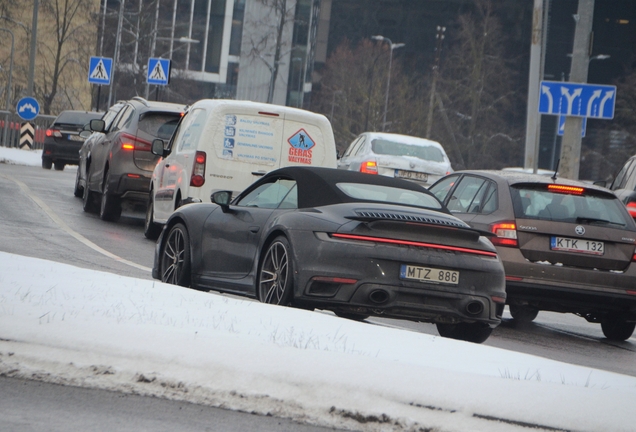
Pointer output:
571, 144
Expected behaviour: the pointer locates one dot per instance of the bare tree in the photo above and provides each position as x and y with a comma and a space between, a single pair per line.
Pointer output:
64, 50
270, 20
477, 90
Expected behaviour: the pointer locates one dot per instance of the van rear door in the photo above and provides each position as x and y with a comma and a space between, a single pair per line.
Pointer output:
307, 140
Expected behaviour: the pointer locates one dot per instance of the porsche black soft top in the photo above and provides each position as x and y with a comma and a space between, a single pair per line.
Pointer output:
317, 186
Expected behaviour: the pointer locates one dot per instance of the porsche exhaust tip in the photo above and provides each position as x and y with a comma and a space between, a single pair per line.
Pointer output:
378, 296
474, 308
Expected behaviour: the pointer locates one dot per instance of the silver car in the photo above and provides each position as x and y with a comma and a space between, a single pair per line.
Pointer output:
395, 155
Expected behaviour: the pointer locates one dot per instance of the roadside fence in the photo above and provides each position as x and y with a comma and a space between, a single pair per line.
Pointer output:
10, 124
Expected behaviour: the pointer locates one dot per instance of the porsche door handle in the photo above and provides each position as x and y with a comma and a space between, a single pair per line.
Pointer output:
254, 229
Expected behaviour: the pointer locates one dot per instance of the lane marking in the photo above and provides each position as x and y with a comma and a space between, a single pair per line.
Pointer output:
69, 230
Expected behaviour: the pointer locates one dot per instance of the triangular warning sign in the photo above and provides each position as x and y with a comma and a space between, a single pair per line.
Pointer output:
158, 73
99, 72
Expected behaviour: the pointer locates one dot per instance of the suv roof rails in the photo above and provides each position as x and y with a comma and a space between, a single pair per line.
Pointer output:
140, 99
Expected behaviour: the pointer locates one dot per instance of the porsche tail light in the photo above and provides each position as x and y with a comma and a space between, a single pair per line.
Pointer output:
401, 242
369, 167
572, 190
53, 133
631, 208
131, 142
506, 234
198, 170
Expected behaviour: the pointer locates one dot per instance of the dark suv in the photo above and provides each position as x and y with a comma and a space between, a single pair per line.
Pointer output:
624, 185
63, 141
120, 165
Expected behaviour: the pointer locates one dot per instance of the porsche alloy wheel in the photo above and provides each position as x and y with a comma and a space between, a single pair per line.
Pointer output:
275, 274
175, 257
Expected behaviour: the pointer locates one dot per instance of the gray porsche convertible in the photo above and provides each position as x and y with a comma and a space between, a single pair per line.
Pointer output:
353, 243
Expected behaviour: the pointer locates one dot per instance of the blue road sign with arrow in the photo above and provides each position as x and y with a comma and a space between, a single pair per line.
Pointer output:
577, 99
99, 70
28, 108
158, 71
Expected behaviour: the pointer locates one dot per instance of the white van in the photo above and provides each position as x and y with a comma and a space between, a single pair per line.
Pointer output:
229, 144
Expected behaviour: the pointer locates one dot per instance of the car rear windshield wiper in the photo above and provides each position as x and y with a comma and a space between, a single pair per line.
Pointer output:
595, 220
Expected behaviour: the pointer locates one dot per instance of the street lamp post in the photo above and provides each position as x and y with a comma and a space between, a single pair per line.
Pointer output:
9, 85
392, 46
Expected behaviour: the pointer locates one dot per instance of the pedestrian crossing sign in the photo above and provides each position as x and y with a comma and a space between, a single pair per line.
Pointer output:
158, 71
99, 70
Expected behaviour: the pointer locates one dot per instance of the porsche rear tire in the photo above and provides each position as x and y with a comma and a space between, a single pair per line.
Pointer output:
352, 316
275, 274
175, 257
469, 332
78, 191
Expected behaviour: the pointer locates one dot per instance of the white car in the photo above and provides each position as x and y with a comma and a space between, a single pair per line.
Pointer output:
395, 155
225, 145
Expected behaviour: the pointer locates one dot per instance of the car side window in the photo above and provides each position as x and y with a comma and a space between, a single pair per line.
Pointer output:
271, 195
621, 177
361, 146
490, 202
123, 118
190, 130
443, 187
466, 198
351, 147
630, 178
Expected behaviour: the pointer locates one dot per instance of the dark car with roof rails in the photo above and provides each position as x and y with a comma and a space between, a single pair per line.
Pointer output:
566, 246
62, 139
344, 241
120, 165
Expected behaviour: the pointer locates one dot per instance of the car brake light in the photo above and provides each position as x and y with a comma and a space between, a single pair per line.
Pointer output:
198, 171
566, 189
506, 234
631, 208
53, 133
131, 142
369, 167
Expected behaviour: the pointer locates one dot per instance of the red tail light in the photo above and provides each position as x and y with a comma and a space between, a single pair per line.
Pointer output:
631, 208
369, 167
506, 234
131, 142
198, 170
53, 133
566, 189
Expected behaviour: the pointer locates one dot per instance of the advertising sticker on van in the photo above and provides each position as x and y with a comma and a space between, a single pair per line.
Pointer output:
301, 144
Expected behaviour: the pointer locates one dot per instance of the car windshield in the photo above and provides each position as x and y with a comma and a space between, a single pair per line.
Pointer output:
388, 194
160, 125
76, 118
585, 207
393, 148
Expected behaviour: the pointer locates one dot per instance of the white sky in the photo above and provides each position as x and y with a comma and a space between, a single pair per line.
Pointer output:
75, 326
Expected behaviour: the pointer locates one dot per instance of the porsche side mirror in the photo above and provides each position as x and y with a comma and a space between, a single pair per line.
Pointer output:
601, 183
97, 125
157, 147
222, 198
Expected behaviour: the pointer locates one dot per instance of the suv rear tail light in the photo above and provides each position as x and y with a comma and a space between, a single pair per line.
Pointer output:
53, 133
506, 234
369, 167
631, 208
131, 142
198, 170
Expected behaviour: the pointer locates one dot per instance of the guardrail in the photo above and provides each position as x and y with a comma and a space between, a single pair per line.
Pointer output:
10, 124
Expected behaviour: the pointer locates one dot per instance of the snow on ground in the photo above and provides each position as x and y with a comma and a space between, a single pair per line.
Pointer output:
74, 326
16, 156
